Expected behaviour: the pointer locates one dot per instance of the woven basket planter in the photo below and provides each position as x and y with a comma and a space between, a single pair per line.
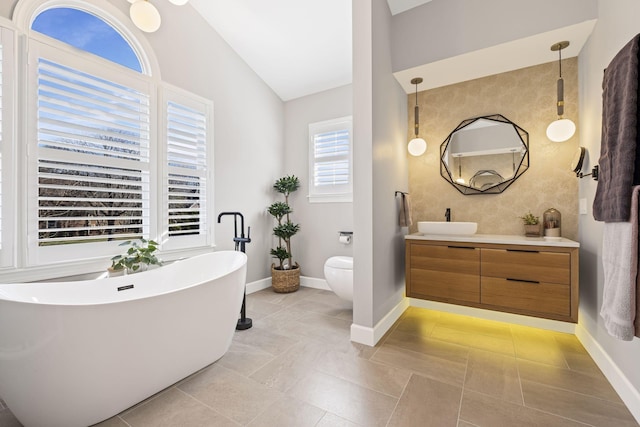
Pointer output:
285, 281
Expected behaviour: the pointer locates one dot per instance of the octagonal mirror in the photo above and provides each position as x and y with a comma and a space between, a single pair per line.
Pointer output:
484, 155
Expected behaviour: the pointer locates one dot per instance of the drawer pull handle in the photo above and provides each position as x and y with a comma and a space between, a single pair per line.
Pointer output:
525, 281
461, 247
523, 250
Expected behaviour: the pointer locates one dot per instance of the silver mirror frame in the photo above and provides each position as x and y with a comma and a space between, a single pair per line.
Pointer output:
446, 172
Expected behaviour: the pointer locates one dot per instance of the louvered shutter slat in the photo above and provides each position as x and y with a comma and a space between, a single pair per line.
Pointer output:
187, 169
93, 158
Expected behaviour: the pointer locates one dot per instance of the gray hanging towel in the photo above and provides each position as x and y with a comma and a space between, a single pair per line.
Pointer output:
619, 157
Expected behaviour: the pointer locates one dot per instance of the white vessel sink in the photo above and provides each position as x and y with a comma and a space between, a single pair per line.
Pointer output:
441, 227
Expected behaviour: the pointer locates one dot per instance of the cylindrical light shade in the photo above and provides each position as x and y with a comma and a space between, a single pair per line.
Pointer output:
145, 16
417, 146
560, 130
179, 2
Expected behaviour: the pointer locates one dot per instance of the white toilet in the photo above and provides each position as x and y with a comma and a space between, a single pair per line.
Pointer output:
338, 271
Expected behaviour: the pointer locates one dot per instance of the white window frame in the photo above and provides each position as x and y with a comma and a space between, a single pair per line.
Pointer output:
7, 148
24, 260
340, 193
204, 106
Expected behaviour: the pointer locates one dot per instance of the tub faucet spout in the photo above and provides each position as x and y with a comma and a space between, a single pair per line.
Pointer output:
447, 214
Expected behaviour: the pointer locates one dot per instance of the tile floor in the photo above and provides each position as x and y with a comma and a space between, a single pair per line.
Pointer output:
297, 367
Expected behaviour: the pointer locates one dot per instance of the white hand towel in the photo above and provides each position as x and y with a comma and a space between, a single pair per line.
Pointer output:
620, 266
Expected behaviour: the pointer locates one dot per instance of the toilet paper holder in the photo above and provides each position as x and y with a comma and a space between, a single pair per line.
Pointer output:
345, 237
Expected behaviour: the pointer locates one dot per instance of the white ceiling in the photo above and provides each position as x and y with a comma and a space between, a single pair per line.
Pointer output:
298, 47
301, 47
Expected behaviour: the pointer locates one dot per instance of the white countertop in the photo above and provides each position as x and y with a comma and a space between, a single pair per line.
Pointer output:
496, 238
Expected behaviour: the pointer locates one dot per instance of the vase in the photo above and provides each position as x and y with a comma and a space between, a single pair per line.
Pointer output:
532, 230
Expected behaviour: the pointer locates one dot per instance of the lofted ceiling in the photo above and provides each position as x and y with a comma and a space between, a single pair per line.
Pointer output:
303, 47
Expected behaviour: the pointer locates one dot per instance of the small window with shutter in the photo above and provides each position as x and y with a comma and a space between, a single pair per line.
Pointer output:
330, 161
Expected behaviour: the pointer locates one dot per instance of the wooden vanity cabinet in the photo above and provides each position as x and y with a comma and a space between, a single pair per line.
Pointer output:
539, 281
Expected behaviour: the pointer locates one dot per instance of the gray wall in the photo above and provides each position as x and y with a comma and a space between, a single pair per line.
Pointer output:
319, 222
452, 27
390, 168
617, 24
248, 121
380, 117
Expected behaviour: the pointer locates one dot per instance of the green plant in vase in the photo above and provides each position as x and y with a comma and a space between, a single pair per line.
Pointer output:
531, 225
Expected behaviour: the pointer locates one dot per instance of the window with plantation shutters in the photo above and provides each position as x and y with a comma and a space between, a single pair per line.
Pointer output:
95, 149
92, 154
186, 178
330, 161
93, 157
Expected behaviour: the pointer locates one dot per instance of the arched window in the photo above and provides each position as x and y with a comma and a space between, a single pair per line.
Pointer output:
112, 152
87, 32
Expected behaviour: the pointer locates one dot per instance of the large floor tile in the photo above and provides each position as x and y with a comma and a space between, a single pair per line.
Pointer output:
232, 395
575, 406
376, 376
485, 411
425, 403
288, 412
596, 386
244, 358
496, 344
495, 375
426, 365
474, 325
416, 324
175, 408
537, 345
332, 420
432, 347
288, 368
345, 399
264, 340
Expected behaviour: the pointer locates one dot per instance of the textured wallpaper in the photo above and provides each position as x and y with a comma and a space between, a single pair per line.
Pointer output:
527, 97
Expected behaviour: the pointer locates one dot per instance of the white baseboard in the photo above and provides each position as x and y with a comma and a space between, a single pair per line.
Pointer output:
628, 393
258, 285
371, 336
312, 282
536, 322
308, 282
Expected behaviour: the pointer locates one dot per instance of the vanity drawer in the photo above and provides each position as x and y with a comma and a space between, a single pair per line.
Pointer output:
464, 260
536, 298
444, 273
444, 286
539, 266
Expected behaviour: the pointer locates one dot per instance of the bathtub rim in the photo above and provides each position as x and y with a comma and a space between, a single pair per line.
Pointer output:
4, 297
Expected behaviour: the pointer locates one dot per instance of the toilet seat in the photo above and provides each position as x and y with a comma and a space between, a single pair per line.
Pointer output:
342, 262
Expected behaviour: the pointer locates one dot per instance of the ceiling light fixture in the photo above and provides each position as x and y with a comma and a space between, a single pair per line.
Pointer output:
145, 16
562, 129
417, 146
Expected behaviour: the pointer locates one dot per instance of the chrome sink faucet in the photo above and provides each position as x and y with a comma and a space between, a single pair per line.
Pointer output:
447, 214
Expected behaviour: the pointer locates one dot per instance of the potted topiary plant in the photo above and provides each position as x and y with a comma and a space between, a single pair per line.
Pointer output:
531, 225
138, 257
285, 277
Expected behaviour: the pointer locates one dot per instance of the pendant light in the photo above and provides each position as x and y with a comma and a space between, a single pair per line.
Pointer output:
145, 16
417, 146
562, 129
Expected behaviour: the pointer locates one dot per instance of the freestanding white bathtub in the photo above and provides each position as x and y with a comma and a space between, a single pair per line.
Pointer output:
76, 353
